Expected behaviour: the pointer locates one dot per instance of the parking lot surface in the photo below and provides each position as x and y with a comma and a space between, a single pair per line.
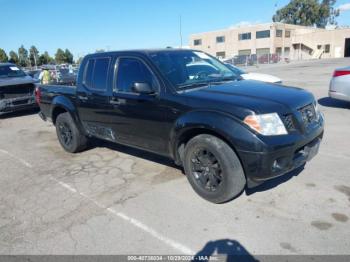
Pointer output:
112, 199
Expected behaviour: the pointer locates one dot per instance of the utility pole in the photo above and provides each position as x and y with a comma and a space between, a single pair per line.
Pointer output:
180, 31
34, 55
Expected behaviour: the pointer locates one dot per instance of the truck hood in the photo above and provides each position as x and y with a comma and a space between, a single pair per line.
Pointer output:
9, 81
254, 95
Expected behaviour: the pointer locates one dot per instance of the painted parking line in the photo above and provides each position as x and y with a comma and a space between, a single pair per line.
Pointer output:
132, 221
22, 161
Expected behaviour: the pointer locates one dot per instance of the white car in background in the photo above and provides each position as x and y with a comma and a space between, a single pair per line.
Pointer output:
340, 84
254, 76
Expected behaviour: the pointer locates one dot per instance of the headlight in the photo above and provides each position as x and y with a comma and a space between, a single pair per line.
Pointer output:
319, 114
266, 124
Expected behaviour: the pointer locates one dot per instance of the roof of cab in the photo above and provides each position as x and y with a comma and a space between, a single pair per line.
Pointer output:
140, 51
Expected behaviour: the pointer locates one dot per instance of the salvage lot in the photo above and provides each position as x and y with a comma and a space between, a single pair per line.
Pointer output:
115, 200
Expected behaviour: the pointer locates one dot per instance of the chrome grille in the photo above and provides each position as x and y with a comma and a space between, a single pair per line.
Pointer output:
289, 122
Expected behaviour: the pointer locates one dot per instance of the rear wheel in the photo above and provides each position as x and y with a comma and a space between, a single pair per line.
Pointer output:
213, 169
68, 134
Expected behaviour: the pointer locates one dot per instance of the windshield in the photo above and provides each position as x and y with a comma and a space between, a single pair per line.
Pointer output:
187, 68
235, 69
10, 71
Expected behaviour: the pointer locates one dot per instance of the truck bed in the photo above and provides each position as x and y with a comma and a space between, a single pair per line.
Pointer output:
49, 92
58, 89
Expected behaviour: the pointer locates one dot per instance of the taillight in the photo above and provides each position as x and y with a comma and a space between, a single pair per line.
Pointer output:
37, 95
341, 73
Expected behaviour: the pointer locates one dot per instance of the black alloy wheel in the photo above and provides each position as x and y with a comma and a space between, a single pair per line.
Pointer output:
206, 169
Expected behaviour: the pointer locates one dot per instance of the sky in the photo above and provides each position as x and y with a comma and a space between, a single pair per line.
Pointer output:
84, 26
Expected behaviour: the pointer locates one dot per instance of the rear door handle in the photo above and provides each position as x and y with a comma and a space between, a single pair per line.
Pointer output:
114, 101
84, 98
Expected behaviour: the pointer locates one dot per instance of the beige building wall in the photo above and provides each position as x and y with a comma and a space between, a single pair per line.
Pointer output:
296, 42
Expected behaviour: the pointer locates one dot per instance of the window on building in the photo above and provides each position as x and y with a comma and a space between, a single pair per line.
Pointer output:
131, 70
319, 47
263, 34
279, 50
220, 39
244, 52
286, 50
327, 48
244, 36
279, 33
287, 34
197, 42
262, 51
220, 54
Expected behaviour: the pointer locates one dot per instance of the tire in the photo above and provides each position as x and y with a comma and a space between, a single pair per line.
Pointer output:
209, 161
68, 134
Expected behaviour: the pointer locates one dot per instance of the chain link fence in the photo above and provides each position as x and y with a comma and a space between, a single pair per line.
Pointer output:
251, 60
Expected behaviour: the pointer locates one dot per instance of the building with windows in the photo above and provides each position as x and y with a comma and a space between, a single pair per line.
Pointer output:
288, 41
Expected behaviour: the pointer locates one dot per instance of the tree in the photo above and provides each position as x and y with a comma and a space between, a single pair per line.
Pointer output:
69, 56
22, 56
79, 60
308, 13
33, 56
60, 56
45, 59
328, 13
3, 56
13, 57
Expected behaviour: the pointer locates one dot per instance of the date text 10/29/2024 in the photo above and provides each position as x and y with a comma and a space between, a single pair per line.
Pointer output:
173, 258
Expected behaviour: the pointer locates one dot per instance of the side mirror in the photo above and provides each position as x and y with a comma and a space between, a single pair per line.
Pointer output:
142, 88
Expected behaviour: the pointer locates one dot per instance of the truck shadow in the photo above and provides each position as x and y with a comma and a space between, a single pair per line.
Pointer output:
330, 102
20, 113
269, 184
231, 249
95, 143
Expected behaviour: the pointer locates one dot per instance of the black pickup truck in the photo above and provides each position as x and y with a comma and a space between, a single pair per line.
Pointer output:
16, 89
226, 132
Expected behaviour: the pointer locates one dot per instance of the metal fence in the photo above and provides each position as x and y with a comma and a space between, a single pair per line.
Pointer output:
250, 60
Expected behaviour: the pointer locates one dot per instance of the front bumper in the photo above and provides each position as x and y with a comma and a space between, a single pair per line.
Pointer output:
17, 104
262, 166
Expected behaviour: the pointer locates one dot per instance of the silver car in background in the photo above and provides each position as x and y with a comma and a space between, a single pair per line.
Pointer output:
254, 76
340, 84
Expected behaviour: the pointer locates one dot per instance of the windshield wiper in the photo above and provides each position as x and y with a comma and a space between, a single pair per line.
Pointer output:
192, 85
221, 80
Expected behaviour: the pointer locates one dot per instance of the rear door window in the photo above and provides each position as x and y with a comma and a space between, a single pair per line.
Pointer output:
89, 69
96, 73
101, 73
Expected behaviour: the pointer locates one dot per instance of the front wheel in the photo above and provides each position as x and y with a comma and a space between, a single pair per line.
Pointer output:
213, 169
68, 134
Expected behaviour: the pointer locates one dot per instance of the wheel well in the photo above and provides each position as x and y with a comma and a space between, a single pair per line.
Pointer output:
188, 135
57, 111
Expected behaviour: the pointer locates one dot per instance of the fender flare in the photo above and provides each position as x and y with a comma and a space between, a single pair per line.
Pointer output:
67, 105
223, 125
